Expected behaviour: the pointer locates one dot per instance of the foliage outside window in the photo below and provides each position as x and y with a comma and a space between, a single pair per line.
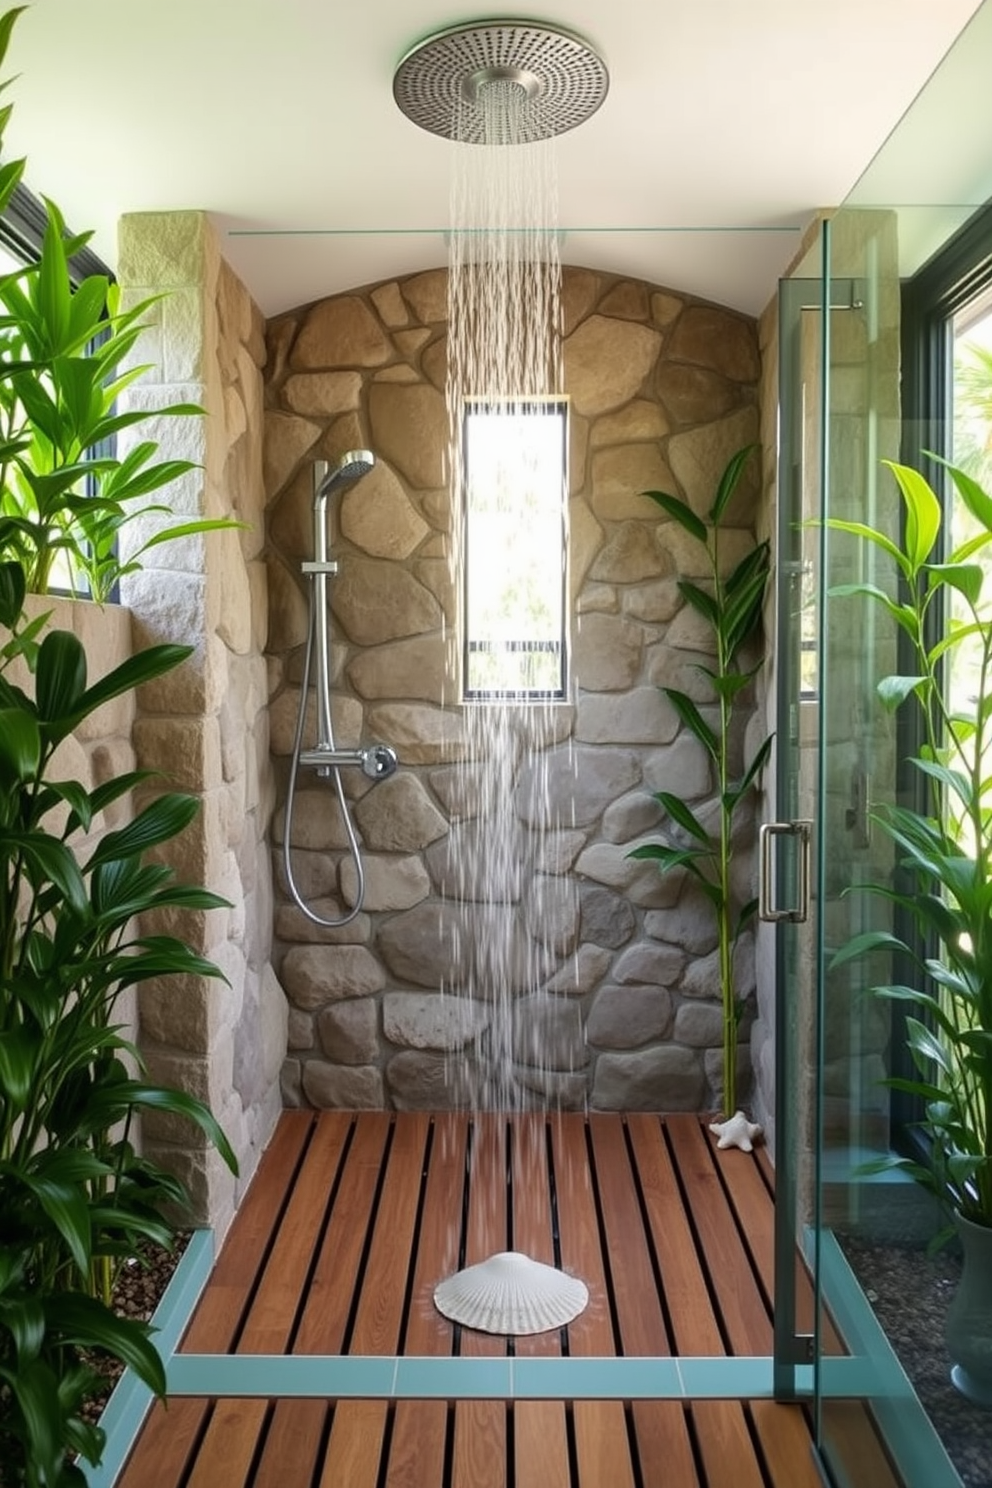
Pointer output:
515, 484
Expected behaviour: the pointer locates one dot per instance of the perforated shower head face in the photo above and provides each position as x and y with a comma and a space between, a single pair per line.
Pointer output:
438, 84
350, 467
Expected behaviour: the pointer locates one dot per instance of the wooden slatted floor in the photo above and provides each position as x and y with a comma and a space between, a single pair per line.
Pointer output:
351, 1220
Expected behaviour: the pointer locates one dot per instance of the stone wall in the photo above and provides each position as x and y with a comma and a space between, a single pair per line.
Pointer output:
663, 390
204, 725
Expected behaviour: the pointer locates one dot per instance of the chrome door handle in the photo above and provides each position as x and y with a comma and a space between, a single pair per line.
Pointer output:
767, 910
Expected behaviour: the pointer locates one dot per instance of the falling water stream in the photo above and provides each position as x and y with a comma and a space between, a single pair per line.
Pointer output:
517, 915
504, 353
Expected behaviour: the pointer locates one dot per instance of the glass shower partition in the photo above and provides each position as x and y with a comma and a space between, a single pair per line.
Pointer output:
842, 755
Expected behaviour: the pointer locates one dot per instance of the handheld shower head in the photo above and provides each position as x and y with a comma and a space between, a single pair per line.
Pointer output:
350, 467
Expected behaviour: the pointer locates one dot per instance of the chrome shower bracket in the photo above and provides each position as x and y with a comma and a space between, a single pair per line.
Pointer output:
318, 568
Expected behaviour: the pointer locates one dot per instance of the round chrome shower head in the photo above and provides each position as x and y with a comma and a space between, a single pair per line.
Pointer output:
350, 467
438, 84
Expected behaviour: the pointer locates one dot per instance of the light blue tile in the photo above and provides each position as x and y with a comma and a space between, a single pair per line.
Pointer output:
747, 1378
596, 1379
453, 1379
313, 1376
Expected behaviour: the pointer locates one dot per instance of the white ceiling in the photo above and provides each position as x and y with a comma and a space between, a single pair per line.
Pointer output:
725, 127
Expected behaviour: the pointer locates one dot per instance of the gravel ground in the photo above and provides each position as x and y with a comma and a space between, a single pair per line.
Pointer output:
138, 1290
910, 1292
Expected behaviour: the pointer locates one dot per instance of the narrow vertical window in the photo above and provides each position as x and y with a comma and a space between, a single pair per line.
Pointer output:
515, 484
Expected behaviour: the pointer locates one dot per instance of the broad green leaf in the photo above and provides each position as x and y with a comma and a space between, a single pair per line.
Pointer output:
893, 691
160, 821
729, 481
20, 746
864, 945
19, 1049
683, 815
48, 860
35, 1389
11, 592
922, 521
83, 1320
61, 676
965, 577
65, 1205
693, 720
24, 1317
701, 601
975, 498
872, 535
681, 512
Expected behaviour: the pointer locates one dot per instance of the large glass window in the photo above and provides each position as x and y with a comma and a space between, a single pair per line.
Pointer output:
515, 484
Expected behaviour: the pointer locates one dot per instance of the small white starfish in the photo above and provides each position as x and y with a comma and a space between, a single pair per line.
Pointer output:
737, 1132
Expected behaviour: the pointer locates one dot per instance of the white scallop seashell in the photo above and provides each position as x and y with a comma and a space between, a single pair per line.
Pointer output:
509, 1293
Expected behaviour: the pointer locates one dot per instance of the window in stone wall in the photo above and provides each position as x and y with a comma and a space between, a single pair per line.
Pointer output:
515, 483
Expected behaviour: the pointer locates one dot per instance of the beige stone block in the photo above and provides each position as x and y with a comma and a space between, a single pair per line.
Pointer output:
695, 395
164, 250
629, 1016
375, 601
620, 476
343, 1087
607, 362
582, 972
665, 307
391, 883
597, 599
378, 516
585, 540
419, 1020
572, 786
641, 420
315, 874
349, 1031
579, 292
630, 555
718, 339
638, 881
315, 975
434, 363
655, 601
662, 1079
556, 851
425, 1080
388, 301
683, 766
699, 457
690, 558
607, 653
340, 332
287, 439
578, 452
416, 668
547, 1033
628, 299
399, 372
299, 1030
185, 750
181, 1012
291, 925
410, 342
234, 626
410, 428
399, 816
290, 522
322, 394
427, 295
631, 816
346, 720
421, 735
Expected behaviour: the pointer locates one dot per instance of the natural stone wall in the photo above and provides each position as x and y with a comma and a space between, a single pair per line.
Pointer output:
204, 725
663, 391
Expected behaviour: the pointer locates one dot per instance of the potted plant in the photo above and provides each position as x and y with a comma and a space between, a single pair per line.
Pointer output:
943, 846
731, 605
76, 1197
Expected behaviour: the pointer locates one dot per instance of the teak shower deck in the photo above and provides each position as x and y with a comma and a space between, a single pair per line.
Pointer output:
353, 1217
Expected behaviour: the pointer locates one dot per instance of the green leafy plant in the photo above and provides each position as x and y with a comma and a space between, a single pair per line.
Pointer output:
731, 605
944, 610
65, 496
75, 1196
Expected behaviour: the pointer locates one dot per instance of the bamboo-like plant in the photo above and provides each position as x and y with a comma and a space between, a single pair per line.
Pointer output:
944, 849
731, 604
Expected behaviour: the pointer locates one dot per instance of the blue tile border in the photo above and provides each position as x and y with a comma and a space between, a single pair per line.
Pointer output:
125, 1411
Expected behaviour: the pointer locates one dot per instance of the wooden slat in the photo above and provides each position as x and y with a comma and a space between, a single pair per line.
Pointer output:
854, 1443
417, 1448
787, 1445
169, 1435
231, 1442
601, 1443
539, 1429
662, 1438
296, 1431
742, 1307
379, 1318
480, 1425
720, 1425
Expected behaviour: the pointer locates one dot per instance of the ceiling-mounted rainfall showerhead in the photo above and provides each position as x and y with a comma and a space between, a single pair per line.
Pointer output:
439, 81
